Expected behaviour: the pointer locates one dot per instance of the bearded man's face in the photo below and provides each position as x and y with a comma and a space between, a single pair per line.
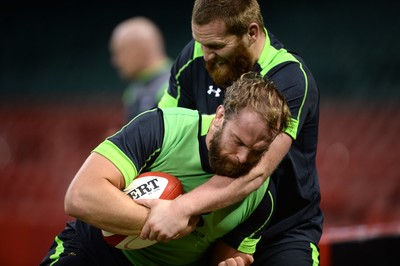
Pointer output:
220, 158
224, 71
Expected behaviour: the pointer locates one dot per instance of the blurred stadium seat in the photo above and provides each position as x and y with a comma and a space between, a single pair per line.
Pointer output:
41, 149
42, 146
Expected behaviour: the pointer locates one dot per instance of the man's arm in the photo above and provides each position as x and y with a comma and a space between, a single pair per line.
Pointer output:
94, 194
168, 219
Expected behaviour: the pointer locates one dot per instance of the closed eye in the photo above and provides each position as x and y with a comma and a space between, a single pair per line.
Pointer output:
238, 142
214, 46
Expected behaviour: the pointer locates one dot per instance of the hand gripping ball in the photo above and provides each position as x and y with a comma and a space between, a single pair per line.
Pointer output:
150, 185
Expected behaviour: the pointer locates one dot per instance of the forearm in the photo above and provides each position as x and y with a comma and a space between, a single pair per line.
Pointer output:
220, 191
217, 193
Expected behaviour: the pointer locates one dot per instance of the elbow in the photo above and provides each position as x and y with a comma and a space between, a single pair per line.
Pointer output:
74, 204
70, 209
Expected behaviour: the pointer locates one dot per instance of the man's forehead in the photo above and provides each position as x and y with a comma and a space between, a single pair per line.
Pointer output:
248, 128
215, 31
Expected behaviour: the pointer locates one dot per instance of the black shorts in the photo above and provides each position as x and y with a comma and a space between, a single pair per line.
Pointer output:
296, 253
81, 244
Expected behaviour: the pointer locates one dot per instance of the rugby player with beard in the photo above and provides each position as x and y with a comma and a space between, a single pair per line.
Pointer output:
188, 145
230, 38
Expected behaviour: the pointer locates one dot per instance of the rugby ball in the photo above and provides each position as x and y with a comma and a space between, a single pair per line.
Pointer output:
150, 185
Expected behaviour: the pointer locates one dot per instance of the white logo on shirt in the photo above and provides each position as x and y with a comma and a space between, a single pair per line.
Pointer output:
211, 90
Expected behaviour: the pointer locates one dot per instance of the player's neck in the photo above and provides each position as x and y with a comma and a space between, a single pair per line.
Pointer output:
258, 47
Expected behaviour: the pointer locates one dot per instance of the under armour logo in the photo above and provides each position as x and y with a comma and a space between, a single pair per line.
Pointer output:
211, 90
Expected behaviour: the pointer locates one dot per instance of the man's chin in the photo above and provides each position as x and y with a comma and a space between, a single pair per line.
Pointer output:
222, 80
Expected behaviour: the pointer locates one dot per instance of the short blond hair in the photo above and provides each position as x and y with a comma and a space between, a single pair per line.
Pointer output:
261, 96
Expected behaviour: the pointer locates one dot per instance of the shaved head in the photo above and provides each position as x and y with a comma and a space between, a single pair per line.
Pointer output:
135, 45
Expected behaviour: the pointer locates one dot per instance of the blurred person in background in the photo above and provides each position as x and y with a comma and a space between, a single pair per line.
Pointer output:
230, 38
138, 53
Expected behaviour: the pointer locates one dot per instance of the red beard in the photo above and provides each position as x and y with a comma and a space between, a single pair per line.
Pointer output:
224, 75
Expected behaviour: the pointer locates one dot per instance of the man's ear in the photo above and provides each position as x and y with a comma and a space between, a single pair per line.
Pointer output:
253, 33
219, 116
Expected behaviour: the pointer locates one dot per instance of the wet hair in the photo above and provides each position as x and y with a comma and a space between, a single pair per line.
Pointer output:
237, 14
259, 95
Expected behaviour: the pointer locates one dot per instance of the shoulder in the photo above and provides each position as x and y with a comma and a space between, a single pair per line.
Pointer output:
177, 116
180, 115
179, 122
190, 54
188, 51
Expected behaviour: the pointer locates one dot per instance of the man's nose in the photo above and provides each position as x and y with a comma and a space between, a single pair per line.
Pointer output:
208, 54
243, 155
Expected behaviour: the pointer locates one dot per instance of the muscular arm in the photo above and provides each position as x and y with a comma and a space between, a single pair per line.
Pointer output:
223, 191
95, 193
167, 219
